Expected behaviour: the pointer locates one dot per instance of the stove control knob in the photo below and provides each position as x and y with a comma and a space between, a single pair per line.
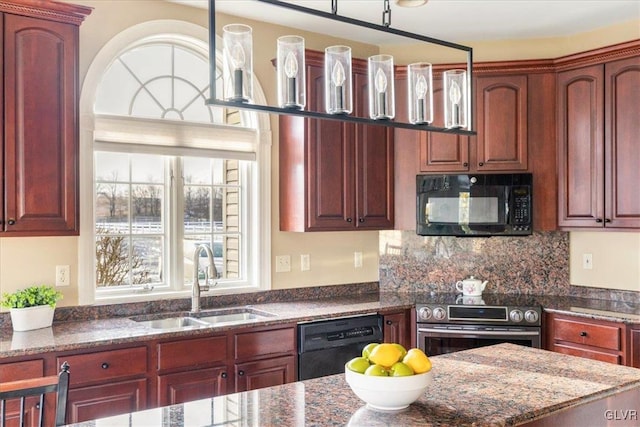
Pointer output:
516, 316
424, 313
531, 316
439, 313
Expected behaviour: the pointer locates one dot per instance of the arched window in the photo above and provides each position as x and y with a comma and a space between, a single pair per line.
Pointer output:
170, 174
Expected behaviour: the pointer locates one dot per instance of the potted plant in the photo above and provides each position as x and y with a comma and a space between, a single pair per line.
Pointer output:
31, 308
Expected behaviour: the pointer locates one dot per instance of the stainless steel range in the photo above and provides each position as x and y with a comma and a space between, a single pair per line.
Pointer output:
448, 323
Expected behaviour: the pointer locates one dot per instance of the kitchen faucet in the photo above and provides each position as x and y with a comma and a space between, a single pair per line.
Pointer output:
210, 271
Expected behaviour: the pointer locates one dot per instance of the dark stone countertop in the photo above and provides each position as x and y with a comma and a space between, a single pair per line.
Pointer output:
502, 385
70, 335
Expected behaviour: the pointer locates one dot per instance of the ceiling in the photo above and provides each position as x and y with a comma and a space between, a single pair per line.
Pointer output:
451, 20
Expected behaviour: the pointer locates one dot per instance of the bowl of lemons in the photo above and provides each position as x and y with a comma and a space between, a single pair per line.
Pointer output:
388, 377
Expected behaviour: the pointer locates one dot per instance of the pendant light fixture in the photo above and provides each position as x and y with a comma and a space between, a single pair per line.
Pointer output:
338, 93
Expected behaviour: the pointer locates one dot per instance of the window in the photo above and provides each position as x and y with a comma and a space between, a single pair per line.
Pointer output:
171, 174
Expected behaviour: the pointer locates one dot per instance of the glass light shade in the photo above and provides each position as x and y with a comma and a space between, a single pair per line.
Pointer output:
456, 99
420, 91
338, 95
237, 61
291, 72
381, 87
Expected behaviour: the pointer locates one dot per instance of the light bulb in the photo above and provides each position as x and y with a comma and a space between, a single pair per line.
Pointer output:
338, 75
291, 65
381, 81
454, 93
237, 56
421, 87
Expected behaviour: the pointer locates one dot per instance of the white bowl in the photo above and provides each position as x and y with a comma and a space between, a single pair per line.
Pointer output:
388, 393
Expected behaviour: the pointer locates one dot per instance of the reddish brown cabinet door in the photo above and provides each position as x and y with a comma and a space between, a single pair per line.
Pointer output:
580, 147
622, 143
15, 371
265, 373
501, 143
397, 329
634, 344
110, 398
192, 385
442, 152
40, 126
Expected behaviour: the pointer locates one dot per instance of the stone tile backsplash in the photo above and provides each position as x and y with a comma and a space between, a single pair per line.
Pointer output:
532, 265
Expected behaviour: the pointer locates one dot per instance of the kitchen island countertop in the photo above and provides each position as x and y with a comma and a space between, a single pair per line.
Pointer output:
500, 385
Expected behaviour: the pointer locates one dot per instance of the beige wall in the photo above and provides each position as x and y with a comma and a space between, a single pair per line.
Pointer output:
26, 261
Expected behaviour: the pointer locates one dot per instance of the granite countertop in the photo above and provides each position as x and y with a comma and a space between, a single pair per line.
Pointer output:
501, 385
70, 335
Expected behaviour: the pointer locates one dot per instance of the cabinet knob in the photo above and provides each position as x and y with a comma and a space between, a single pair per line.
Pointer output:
11, 221
389, 322
241, 373
104, 365
360, 219
349, 219
607, 220
598, 220
481, 164
223, 375
583, 334
465, 164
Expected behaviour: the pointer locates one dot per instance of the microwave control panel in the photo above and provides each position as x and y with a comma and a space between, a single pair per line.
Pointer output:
521, 213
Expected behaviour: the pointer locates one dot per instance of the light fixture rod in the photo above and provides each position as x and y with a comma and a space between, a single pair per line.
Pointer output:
345, 118
334, 7
386, 14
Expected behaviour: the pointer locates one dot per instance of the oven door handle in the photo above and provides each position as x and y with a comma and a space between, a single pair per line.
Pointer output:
476, 332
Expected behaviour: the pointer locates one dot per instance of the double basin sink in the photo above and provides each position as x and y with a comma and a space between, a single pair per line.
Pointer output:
203, 319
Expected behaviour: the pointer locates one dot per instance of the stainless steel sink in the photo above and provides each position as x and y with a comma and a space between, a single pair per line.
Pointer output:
203, 319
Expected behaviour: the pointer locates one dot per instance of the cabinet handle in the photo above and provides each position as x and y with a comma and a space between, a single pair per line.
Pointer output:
349, 219
598, 220
481, 164
11, 221
241, 373
583, 334
360, 219
104, 365
223, 375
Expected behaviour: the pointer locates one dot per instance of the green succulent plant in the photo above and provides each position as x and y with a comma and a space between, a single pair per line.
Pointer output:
31, 297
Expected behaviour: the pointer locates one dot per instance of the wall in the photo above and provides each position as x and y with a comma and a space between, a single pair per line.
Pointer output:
25, 261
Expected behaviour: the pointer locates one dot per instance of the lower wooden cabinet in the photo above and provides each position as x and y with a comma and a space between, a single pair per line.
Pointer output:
397, 328
109, 398
634, 345
589, 338
265, 373
192, 385
15, 371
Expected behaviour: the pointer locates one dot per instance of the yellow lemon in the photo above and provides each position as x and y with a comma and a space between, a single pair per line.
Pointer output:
385, 355
402, 350
417, 360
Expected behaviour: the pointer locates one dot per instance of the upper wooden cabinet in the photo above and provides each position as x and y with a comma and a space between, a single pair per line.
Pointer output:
335, 175
39, 159
598, 145
501, 123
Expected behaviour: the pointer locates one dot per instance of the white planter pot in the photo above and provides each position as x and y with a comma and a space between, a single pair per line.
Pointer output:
27, 319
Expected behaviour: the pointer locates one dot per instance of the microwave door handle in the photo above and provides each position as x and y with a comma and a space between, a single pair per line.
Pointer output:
467, 332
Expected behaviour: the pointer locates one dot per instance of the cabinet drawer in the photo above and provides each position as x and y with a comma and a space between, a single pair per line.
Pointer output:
588, 354
15, 371
262, 343
106, 365
603, 336
192, 353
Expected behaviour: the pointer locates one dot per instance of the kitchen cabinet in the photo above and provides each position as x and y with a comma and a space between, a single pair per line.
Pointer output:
335, 175
191, 369
589, 338
39, 156
634, 346
264, 357
501, 124
598, 150
105, 383
22, 370
397, 328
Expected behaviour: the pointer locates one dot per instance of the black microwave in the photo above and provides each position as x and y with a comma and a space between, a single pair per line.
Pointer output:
474, 205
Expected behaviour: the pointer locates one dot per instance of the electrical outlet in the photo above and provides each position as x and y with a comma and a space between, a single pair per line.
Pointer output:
283, 263
305, 262
587, 261
357, 259
62, 275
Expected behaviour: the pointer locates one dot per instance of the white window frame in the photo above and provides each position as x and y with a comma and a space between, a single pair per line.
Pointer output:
99, 129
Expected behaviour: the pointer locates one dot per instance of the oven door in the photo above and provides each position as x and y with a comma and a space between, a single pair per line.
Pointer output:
442, 339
